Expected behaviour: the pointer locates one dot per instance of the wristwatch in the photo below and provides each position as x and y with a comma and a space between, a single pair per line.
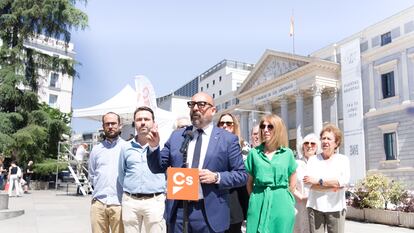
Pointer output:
320, 182
216, 178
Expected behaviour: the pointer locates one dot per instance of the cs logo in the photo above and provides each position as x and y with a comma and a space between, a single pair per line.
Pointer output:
182, 183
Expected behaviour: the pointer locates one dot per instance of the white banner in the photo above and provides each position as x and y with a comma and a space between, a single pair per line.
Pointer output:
354, 139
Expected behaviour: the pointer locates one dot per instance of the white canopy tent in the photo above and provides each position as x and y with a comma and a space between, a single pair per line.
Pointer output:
122, 103
125, 102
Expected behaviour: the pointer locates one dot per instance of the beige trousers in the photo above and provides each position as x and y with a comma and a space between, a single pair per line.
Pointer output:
105, 217
143, 215
331, 222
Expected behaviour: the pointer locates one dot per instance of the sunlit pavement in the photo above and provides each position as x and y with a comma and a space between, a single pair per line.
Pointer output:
55, 212
49, 212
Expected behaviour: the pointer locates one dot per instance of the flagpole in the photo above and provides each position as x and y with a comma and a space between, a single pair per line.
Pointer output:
293, 43
292, 28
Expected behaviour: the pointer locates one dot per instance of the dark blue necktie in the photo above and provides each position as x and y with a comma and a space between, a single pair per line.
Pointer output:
197, 149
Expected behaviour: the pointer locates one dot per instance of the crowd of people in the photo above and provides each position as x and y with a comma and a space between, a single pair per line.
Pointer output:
15, 178
263, 187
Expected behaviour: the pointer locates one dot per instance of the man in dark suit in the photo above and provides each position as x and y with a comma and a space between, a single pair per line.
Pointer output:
216, 153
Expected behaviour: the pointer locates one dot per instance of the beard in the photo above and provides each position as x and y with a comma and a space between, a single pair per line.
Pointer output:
112, 134
196, 119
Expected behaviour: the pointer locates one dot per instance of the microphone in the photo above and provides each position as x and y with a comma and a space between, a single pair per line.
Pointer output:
188, 134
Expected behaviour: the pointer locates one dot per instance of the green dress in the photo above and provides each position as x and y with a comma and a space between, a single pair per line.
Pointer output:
271, 205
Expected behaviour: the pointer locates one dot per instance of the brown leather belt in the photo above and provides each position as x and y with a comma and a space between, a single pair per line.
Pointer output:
143, 195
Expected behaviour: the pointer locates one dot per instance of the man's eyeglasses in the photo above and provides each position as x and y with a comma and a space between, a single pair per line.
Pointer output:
310, 143
227, 123
263, 126
200, 104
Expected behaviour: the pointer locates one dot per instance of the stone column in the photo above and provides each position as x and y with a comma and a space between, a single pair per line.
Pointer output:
317, 109
244, 125
334, 106
299, 116
371, 87
284, 111
268, 107
405, 88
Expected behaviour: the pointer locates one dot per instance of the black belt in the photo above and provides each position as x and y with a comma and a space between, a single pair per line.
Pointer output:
143, 195
195, 204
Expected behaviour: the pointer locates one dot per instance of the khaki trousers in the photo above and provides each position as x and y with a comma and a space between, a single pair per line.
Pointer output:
331, 222
105, 217
143, 215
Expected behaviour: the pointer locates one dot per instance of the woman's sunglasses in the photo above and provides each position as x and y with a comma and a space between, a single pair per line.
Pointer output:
310, 143
263, 126
227, 123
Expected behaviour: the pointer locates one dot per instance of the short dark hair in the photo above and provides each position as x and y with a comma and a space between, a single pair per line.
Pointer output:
144, 108
119, 118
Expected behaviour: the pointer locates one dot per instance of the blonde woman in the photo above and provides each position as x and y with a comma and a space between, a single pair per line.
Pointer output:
272, 179
309, 147
239, 197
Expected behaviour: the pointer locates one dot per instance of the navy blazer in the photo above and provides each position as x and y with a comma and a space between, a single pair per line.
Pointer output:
223, 155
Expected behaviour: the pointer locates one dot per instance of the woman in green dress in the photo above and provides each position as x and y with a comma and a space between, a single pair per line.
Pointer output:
272, 179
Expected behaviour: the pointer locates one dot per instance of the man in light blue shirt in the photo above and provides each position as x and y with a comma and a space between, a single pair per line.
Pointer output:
103, 174
143, 201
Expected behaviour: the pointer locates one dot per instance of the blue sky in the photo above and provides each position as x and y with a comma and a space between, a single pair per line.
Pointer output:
172, 42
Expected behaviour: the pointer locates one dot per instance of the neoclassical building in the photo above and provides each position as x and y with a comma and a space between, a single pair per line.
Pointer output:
301, 90
363, 83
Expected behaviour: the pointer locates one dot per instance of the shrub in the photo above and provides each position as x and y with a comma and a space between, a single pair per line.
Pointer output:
49, 166
408, 205
377, 191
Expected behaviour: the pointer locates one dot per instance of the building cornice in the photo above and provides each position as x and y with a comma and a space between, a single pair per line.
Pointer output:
394, 47
313, 66
402, 15
391, 109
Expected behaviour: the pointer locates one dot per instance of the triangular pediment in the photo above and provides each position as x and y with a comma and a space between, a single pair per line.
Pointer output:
271, 66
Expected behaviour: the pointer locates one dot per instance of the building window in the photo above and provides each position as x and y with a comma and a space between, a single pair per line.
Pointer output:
214, 95
390, 146
220, 79
207, 85
54, 78
386, 38
387, 81
214, 82
219, 92
53, 100
201, 88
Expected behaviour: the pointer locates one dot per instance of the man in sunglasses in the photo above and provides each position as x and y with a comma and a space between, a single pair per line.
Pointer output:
216, 153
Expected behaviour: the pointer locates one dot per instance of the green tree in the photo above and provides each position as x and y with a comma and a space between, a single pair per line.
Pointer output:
28, 129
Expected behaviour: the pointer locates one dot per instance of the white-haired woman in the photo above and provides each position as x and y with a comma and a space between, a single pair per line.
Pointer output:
309, 147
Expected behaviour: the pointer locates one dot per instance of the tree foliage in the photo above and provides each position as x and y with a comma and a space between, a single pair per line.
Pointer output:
29, 129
